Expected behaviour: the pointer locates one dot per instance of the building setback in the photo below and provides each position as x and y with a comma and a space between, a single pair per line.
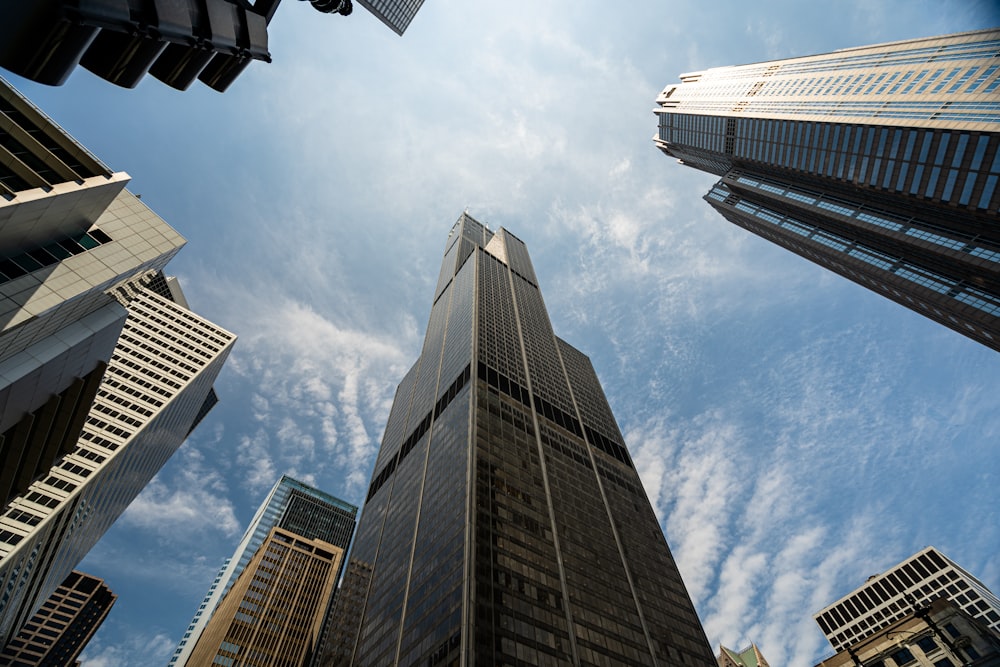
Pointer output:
103, 369
888, 597
62, 627
273, 613
505, 522
296, 508
880, 163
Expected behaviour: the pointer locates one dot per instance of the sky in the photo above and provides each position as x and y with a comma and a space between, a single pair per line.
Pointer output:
795, 432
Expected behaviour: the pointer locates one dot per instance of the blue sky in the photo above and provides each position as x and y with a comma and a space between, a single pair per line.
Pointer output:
796, 433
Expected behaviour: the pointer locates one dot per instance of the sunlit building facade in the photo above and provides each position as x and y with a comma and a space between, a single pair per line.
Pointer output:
155, 390
880, 163
888, 597
273, 613
505, 523
103, 369
292, 506
932, 634
69, 233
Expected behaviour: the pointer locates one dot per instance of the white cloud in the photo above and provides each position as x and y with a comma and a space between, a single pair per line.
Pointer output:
188, 504
137, 650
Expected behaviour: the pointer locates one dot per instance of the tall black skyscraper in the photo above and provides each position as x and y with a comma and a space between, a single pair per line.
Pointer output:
880, 163
505, 523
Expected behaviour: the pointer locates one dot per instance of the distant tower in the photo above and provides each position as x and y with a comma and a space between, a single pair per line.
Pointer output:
888, 597
301, 511
64, 625
505, 523
103, 369
273, 613
748, 657
880, 163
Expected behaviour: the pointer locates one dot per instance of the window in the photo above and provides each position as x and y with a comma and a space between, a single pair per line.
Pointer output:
944, 662
927, 644
902, 657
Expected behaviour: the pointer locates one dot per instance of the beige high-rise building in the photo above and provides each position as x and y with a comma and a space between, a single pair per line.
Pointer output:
272, 616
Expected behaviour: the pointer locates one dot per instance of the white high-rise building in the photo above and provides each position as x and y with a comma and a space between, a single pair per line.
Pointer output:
102, 374
888, 597
157, 386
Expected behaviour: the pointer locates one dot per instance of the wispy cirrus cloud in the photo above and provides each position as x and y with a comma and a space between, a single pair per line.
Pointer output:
137, 650
189, 503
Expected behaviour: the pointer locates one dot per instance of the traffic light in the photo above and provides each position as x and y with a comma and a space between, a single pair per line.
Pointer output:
176, 41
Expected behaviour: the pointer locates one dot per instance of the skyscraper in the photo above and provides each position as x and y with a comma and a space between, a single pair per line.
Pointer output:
888, 597
64, 625
156, 388
300, 510
505, 522
273, 613
103, 369
880, 163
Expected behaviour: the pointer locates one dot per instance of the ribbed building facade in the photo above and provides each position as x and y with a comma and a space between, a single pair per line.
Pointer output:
273, 613
157, 386
396, 14
102, 372
888, 597
880, 163
294, 507
505, 523
61, 629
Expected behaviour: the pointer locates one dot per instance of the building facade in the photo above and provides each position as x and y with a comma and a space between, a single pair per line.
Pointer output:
885, 598
880, 163
934, 634
396, 14
61, 629
273, 613
103, 369
505, 523
294, 507
156, 388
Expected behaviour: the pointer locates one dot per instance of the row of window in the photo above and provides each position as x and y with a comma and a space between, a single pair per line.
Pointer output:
899, 56
33, 260
883, 219
878, 83
918, 275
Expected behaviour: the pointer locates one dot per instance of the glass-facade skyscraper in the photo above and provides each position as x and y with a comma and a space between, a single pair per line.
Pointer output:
505, 523
880, 163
